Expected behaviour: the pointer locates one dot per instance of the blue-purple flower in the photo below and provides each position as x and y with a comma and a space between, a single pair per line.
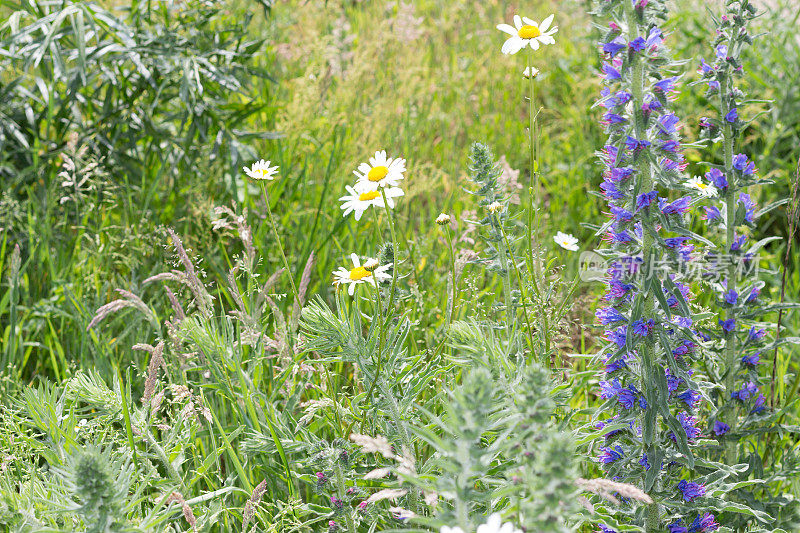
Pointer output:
690, 490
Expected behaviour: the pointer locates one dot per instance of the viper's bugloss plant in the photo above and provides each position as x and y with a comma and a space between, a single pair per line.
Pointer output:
737, 343
650, 390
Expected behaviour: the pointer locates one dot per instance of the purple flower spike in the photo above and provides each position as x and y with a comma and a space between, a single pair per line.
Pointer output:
753, 296
638, 44
756, 334
677, 527
609, 455
749, 207
716, 177
703, 524
751, 360
646, 199
738, 242
643, 327
610, 72
613, 47
742, 164
679, 206
608, 315
636, 145
728, 325
665, 86
690, 397
690, 490
732, 116
712, 213
720, 428
731, 297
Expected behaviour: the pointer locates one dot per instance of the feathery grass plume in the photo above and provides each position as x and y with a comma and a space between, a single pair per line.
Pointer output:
156, 361
651, 391
738, 336
128, 300
251, 504
188, 514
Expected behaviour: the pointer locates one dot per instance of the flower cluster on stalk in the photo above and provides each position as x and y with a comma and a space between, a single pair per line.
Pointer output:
737, 343
651, 396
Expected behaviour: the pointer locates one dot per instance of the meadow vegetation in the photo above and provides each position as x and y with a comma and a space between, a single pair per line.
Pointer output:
175, 354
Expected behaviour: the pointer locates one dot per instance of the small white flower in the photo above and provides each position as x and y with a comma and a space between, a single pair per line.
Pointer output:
361, 198
359, 274
261, 170
530, 71
494, 525
380, 171
706, 189
566, 241
531, 33
443, 219
495, 207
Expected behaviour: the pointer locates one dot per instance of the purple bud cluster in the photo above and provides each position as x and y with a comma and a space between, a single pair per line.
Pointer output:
651, 346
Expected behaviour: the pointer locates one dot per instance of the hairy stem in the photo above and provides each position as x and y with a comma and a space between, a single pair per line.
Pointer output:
652, 518
730, 221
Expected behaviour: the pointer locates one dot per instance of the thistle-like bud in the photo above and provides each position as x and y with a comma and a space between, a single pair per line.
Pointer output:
443, 219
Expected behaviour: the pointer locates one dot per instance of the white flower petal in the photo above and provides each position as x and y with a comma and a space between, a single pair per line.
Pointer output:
512, 45
507, 28
546, 23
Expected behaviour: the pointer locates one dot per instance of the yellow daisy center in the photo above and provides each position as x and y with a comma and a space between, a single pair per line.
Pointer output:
377, 173
366, 196
528, 32
702, 186
359, 273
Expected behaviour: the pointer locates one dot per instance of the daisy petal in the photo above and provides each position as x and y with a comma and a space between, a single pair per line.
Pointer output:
512, 45
546, 23
507, 28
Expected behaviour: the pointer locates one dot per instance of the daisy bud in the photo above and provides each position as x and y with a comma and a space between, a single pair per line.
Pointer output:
495, 207
443, 219
530, 72
371, 265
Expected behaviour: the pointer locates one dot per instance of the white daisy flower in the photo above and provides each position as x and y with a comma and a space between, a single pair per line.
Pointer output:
380, 171
495, 207
443, 219
531, 33
359, 274
566, 241
706, 189
360, 198
494, 524
261, 170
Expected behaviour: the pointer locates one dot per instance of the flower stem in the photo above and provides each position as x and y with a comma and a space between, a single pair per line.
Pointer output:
278, 241
730, 216
523, 292
451, 309
394, 250
342, 493
502, 252
652, 517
